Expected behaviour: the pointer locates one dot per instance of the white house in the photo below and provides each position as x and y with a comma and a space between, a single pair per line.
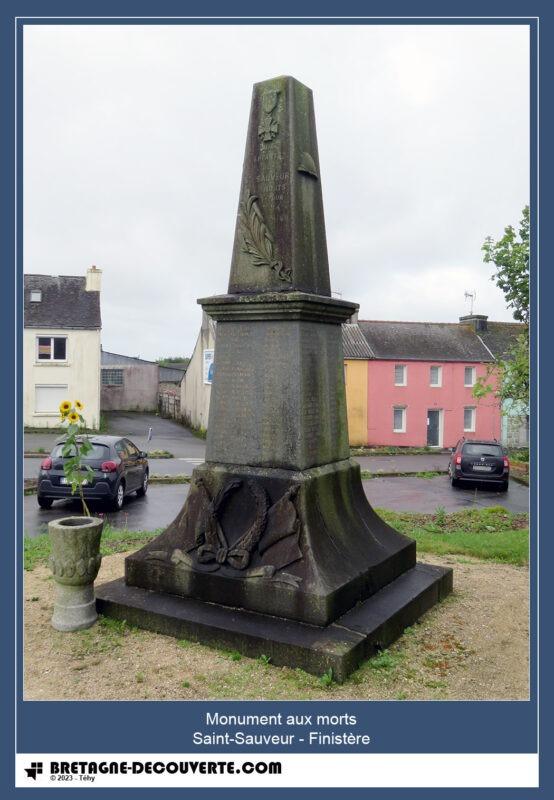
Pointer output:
196, 385
61, 346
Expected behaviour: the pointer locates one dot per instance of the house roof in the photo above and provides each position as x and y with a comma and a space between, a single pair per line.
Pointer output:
165, 374
500, 336
171, 374
354, 343
424, 341
115, 359
65, 303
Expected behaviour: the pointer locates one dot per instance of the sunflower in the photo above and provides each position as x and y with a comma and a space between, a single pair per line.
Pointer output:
65, 408
73, 417
78, 405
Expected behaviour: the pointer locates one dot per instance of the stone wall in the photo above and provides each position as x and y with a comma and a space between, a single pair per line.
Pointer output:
139, 391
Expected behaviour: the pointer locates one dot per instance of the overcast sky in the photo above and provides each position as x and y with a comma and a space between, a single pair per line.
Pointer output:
134, 139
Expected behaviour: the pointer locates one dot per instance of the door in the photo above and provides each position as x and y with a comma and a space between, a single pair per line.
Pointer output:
135, 465
433, 425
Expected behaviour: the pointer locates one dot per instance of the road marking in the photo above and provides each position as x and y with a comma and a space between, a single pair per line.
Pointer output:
192, 460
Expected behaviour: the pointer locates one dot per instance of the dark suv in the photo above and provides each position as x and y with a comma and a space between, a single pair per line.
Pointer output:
119, 468
484, 461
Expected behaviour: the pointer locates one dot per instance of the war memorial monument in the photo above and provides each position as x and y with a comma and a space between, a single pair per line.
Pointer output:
276, 550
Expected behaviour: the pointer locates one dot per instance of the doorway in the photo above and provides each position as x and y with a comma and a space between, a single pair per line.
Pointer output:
433, 427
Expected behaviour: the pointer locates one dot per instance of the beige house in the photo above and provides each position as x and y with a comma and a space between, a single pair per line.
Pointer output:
61, 346
196, 386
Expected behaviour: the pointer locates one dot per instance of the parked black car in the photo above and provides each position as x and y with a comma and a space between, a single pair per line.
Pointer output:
483, 461
119, 468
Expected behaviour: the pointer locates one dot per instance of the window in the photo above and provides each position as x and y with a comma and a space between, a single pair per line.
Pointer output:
51, 348
494, 450
99, 451
36, 296
469, 376
131, 449
112, 377
400, 375
435, 376
469, 418
399, 419
48, 398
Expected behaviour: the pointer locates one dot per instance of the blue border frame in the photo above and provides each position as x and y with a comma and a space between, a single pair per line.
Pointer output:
448, 727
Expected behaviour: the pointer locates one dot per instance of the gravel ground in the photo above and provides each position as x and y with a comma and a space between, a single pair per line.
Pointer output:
473, 646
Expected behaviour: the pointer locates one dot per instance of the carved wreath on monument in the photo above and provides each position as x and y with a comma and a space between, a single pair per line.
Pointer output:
207, 546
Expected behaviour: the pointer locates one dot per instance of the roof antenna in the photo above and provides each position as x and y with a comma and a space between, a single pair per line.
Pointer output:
470, 296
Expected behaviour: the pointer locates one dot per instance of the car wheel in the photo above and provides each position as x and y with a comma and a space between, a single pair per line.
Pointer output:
44, 502
454, 482
504, 486
117, 502
144, 488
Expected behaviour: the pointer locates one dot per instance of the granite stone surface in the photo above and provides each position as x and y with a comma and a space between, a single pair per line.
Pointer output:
276, 549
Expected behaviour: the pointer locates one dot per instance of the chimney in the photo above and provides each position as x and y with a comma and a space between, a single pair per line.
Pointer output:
478, 321
94, 279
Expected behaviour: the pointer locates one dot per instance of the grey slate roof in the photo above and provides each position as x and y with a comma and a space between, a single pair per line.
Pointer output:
165, 374
500, 336
112, 359
354, 343
171, 374
424, 341
65, 303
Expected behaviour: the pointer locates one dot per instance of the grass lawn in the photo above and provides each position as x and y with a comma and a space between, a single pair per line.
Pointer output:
492, 534
473, 645
114, 540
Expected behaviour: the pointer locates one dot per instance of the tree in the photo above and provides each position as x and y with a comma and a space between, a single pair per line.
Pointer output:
170, 360
510, 256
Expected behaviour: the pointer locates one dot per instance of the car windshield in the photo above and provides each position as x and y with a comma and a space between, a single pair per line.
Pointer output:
493, 450
98, 451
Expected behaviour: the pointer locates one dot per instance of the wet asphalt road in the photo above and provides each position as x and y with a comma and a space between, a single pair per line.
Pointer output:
163, 502
184, 465
166, 435
189, 451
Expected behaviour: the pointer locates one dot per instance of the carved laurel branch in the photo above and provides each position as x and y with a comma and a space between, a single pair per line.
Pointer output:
258, 242
215, 546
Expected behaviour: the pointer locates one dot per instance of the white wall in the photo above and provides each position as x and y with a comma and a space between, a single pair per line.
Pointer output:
80, 373
195, 394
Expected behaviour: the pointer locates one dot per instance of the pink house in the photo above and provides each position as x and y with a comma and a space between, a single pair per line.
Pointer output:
420, 377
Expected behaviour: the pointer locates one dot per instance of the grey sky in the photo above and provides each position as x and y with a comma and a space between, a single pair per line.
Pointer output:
134, 140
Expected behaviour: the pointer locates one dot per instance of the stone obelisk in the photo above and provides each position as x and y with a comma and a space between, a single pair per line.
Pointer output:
276, 549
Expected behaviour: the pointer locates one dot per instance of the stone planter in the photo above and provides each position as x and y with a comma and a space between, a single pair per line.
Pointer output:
75, 560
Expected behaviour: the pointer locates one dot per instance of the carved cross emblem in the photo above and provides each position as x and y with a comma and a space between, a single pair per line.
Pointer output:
268, 128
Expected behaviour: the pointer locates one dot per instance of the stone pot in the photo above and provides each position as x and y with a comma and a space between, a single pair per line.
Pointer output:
75, 560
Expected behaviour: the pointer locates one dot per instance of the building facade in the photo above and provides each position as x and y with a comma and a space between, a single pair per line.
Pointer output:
408, 384
128, 384
419, 379
196, 385
61, 346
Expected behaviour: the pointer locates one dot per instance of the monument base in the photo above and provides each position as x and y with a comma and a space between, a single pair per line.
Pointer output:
342, 646
303, 545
